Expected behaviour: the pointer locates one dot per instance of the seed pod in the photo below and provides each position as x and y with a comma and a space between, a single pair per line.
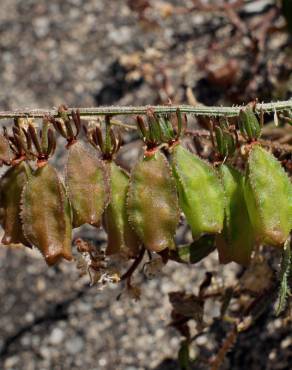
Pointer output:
225, 141
268, 194
248, 124
194, 252
88, 186
5, 151
46, 215
201, 195
236, 241
152, 202
121, 237
11, 187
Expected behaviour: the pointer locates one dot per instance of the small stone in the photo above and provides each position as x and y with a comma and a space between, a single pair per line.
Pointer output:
202, 340
41, 284
10, 362
74, 345
45, 352
29, 317
56, 336
25, 341
286, 343
102, 361
120, 35
41, 26
84, 307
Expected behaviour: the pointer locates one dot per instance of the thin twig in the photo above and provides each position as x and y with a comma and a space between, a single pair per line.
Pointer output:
133, 267
227, 344
198, 132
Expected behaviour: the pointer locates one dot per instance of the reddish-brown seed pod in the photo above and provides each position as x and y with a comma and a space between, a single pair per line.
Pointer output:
121, 237
5, 151
46, 215
152, 202
11, 187
88, 186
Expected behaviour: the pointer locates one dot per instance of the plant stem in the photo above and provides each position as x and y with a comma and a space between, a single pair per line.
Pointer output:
159, 109
134, 266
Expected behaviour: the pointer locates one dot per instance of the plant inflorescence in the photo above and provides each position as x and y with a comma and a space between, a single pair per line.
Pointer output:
236, 202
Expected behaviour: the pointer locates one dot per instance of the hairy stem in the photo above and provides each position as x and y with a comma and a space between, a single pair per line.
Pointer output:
159, 109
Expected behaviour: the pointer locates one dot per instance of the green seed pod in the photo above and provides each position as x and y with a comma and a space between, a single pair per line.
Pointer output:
88, 186
268, 194
152, 202
121, 237
11, 187
46, 215
226, 144
248, 124
236, 241
194, 252
201, 195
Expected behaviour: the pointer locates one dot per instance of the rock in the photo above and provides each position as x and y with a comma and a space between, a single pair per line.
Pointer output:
10, 362
41, 26
56, 336
74, 345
